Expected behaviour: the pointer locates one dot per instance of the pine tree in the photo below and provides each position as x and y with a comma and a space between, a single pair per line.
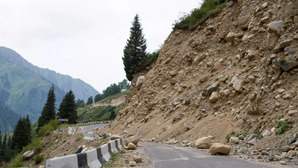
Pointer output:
49, 110
21, 135
0, 138
68, 108
135, 50
90, 100
4, 141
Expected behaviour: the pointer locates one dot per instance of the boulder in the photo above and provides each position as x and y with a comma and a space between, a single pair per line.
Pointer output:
287, 66
266, 133
129, 120
203, 143
134, 139
172, 141
292, 112
220, 149
230, 37
140, 81
128, 158
132, 163
176, 101
275, 26
131, 146
283, 44
137, 158
214, 97
210, 88
234, 140
113, 137
28, 154
237, 85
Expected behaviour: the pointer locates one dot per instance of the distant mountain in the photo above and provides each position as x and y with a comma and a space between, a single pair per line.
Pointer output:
24, 87
81, 89
8, 118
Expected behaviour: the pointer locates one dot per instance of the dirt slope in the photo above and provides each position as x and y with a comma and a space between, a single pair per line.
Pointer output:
248, 52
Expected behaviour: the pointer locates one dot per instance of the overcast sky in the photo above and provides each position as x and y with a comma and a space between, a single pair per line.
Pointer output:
85, 38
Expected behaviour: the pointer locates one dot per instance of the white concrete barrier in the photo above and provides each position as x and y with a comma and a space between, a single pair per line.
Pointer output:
63, 162
94, 158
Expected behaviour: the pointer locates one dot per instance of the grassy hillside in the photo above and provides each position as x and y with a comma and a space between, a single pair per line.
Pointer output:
25, 92
99, 113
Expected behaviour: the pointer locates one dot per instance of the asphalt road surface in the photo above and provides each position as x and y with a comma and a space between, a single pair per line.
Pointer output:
89, 128
167, 156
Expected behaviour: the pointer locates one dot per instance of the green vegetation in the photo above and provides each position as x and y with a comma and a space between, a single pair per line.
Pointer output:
68, 109
199, 15
100, 113
79, 138
283, 126
112, 90
21, 135
90, 100
48, 128
114, 161
236, 134
35, 144
24, 88
135, 49
80, 103
38, 158
49, 110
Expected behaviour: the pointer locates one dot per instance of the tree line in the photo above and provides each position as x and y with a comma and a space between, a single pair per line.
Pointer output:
11, 145
109, 91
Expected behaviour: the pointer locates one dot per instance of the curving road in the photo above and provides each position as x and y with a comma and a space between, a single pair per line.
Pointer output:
167, 156
89, 128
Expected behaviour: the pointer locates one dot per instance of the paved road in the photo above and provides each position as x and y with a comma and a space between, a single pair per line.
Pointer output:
89, 128
167, 156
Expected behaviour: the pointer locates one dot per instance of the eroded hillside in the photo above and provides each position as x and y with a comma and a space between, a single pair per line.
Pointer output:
235, 72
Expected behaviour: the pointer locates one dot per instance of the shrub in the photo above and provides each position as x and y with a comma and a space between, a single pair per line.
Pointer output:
79, 138
244, 133
38, 158
35, 144
48, 128
283, 126
199, 15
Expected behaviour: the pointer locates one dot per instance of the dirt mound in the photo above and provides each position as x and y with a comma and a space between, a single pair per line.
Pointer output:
235, 72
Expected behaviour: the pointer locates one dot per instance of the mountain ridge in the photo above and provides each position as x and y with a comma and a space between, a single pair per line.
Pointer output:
67, 83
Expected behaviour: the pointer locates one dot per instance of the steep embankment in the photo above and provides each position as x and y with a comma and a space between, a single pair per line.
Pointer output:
247, 55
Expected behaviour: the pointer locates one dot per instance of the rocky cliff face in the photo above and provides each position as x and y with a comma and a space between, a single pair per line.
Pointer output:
235, 72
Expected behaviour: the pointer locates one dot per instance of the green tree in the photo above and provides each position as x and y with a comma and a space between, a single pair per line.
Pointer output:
135, 50
21, 135
111, 90
80, 103
90, 100
68, 108
49, 110
112, 115
124, 85
98, 97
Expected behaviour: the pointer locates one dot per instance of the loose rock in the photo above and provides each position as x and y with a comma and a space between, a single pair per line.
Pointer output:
203, 143
220, 149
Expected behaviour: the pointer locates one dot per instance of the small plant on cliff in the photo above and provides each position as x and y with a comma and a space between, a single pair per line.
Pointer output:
38, 158
199, 15
283, 126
